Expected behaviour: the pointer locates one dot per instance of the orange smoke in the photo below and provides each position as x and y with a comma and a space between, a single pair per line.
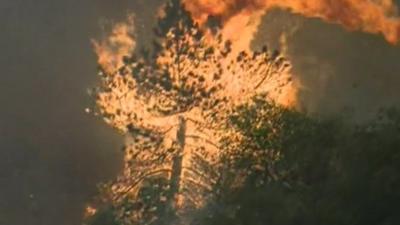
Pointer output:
371, 16
116, 46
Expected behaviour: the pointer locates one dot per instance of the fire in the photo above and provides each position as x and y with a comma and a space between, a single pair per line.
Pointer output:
371, 16
119, 43
173, 107
240, 19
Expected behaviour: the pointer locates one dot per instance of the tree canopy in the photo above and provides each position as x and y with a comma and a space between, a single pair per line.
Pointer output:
294, 169
206, 144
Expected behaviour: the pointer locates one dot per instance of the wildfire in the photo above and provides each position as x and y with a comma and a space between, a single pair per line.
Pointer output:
371, 16
173, 106
119, 43
240, 22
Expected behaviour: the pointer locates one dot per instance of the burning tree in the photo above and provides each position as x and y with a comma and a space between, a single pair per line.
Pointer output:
172, 106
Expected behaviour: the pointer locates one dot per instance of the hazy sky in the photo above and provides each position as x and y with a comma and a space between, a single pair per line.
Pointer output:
52, 154
339, 71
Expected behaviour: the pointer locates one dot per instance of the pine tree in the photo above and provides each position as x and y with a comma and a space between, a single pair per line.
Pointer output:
172, 107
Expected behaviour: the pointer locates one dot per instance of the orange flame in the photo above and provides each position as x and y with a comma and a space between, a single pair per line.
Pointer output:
240, 77
119, 43
371, 16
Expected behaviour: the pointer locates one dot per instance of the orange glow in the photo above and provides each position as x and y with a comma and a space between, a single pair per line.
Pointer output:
371, 16
119, 43
241, 73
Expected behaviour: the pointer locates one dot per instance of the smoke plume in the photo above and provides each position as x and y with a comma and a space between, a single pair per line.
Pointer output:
371, 16
119, 43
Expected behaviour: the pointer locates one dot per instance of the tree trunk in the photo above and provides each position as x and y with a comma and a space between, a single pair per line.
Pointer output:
175, 197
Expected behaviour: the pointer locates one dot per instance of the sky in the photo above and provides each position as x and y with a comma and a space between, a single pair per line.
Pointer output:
52, 154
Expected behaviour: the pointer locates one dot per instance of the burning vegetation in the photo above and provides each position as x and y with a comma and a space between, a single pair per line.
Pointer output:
172, 105
371, 16
207, 119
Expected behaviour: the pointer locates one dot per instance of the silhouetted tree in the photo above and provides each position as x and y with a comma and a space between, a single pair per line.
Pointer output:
289, 168
172, 108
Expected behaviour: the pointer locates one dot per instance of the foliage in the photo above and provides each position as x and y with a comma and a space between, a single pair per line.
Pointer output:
300, 170
202, 150
172, 106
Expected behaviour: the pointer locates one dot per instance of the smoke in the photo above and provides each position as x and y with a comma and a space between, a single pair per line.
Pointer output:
241, 17
119, 43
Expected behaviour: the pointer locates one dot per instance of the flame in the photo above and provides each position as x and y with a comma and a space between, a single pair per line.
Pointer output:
124, 102
371, 16
111, 50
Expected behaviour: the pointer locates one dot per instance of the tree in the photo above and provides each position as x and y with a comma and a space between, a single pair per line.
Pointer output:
172, 107
207, 146
295, 169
